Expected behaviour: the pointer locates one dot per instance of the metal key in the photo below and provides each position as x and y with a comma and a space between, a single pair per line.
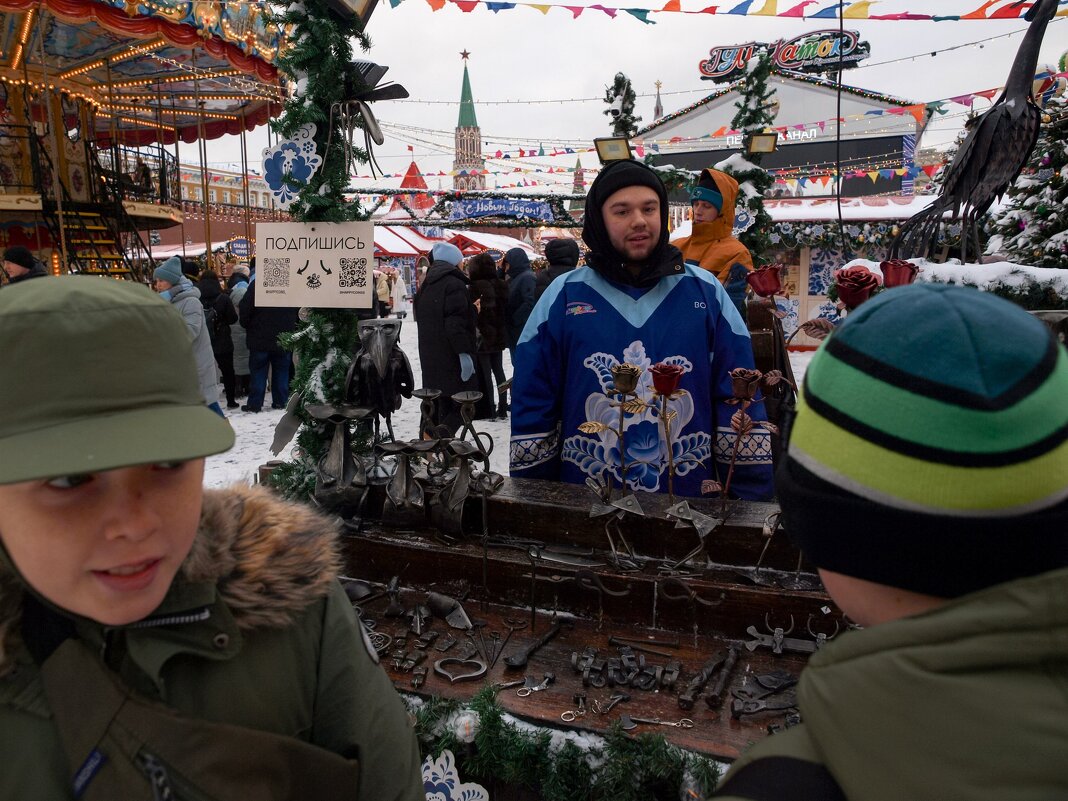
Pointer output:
629, 723
523, 692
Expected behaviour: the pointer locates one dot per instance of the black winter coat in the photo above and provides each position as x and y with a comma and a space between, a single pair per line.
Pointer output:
492, 313
521, 301
447, 319
547, 276
263, 324
212, 297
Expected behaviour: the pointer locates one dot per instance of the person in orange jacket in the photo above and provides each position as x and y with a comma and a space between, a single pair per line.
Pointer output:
712, 244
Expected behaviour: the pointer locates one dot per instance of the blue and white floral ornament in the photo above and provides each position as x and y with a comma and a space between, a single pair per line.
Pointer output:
743, 220
289, 164
442, 783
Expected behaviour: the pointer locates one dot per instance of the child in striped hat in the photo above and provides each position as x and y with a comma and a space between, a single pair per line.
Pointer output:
927, 478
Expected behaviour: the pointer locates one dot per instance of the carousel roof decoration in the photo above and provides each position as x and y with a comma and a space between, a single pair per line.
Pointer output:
151, 70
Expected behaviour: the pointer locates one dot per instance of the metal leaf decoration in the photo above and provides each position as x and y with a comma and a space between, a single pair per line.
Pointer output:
591, 427
818, 328
741, 422
710, 486
634, 406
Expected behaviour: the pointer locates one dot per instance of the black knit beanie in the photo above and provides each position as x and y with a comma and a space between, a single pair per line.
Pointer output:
617, 175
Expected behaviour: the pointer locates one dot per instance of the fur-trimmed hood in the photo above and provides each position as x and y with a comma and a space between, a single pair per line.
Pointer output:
269, 559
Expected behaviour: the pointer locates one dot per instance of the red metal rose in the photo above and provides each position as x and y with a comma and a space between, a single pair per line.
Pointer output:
855, 285
898, 272
766, 281
666, 377
745, 382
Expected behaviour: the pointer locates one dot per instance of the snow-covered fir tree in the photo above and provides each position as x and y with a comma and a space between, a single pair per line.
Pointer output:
624, 123
1033, 228
753, 116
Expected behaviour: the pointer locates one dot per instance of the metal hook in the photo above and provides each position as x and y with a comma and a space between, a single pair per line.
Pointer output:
776, 630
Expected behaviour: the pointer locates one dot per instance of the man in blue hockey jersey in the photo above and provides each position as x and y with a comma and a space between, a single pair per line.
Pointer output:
638, 303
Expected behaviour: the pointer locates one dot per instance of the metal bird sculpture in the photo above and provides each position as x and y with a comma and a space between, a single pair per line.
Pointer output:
992, 155
380, 375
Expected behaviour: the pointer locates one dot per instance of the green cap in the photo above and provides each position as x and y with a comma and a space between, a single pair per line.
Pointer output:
97, 374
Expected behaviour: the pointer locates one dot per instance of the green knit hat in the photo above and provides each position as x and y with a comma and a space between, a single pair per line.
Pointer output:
930, 447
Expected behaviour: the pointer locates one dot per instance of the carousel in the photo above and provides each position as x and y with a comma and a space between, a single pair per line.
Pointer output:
95, 96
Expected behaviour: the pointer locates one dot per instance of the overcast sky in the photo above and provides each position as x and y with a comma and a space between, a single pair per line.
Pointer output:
521, 56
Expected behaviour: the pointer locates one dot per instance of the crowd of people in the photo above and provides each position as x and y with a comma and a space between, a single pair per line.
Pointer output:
156, 636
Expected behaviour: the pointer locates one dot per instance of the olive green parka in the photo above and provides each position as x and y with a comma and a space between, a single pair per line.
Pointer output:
255, 632
966, 702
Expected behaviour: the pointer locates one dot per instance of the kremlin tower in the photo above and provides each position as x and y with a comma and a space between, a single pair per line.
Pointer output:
468, 154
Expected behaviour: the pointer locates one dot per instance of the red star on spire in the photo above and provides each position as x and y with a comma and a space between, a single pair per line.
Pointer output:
464, 54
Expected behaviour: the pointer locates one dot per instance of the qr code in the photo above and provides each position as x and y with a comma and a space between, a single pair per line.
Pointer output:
353, 273
276, 272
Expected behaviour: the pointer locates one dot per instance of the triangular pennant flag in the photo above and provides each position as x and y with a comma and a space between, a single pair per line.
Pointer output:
874, 175
672, 5
886, 173
988, 93
437, 5
541, 8
902, 171
640, 14
640, 151
1011, 11
768, 10
979, 13
720, 131
709, 10
831, 12
575, 10
896, 110
495, 7
822, 124
858, 10
930, 169
609, 11
798, 10
466, 6
917, 110
742, 8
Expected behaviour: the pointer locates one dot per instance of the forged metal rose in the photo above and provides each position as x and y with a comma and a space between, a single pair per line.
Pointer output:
666, 377
898, 272
745, 382
625, 377
855, 285
766, 281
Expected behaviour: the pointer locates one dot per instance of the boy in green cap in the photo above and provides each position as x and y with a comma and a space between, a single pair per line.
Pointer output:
158, 640
927, 478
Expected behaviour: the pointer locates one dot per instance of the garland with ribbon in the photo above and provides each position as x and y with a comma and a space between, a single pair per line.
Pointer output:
989, 10
490, 747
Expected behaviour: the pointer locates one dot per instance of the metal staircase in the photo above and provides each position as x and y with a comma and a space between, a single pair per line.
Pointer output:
99, 236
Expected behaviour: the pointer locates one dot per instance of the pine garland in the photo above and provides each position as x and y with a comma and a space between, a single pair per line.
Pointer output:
625, 768
624, 123
753, 116
319, 63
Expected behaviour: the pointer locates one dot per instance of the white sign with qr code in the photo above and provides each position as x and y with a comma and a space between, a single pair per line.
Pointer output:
324, 265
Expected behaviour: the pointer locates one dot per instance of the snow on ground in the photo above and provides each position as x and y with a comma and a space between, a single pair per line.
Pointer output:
254, 432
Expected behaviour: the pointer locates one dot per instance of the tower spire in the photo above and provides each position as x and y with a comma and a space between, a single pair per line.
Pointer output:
658, 108
469, 169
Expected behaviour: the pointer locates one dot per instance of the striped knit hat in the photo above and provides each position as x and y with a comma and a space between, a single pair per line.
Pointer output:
930, 447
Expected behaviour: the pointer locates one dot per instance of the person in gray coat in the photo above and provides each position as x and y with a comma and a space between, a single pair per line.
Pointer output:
175, 287
237, 283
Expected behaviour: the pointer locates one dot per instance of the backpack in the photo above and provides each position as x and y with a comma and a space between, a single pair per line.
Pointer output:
211, 320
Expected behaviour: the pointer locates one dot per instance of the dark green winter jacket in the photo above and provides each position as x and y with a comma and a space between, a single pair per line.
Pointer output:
281, 651
966, 702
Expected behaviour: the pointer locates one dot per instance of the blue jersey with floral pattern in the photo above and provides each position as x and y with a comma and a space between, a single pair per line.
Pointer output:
584, 325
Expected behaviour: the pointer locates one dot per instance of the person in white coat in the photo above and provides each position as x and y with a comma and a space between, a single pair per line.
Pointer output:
399, 295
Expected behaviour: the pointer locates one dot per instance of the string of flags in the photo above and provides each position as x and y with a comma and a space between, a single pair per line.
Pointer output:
806, 9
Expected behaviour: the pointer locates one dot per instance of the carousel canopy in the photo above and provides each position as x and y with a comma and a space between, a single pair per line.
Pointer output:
151, 71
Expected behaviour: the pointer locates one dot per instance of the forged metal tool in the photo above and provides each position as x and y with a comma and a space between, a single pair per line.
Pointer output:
629, 723
578, 712
520, 658
777, 640
615, 699
715, 697
513, 625
688, 696
740, 707
634, 647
